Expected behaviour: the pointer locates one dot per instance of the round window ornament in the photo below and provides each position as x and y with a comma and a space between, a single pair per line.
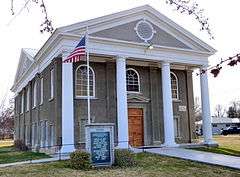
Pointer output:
144, 30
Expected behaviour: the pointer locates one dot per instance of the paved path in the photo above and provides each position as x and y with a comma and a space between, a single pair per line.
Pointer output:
55, 158
205, 157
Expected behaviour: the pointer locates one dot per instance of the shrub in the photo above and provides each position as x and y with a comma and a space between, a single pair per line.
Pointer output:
20, 145
80, 160
124, 158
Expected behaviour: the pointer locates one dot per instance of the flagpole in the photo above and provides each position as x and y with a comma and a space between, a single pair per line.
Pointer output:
88, 85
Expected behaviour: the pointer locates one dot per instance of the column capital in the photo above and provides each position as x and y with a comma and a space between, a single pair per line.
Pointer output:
165, 63
121, 57
65, 53
204, 66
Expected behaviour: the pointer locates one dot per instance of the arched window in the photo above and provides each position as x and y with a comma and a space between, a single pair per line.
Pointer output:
81, 81
133, 81
174, 86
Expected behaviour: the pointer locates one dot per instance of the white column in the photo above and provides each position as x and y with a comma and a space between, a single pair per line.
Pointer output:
67, 107
167, 106
206, 114
122, 110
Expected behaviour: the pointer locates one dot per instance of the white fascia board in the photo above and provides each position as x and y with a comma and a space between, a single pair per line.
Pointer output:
132, 50
135, 44
59, 44
18, 68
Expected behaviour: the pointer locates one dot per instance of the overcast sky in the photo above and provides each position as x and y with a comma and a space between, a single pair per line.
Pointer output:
23, 32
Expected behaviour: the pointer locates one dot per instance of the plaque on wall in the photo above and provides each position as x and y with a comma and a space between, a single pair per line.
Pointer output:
100, 144
182, 108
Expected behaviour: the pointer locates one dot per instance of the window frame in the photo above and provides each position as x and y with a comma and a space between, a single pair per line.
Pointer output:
42, 133
177, 132
35, 94
41, 91
138, 76
75, 84
22, 103
175, 76
52, 134
28, 99
51, 84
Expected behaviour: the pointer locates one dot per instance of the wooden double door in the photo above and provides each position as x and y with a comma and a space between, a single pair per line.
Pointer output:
135, 127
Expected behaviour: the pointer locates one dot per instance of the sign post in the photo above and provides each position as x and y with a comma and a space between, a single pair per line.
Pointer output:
100, 143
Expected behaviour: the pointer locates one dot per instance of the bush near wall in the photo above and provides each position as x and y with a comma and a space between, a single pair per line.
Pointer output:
124, 158
20, 145
80, 160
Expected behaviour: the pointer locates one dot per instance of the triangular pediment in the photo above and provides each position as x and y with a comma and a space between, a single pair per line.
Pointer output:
25, 61
122, 26
136, 98
127, 32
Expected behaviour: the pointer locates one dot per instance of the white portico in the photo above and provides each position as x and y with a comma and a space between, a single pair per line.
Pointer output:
194, 55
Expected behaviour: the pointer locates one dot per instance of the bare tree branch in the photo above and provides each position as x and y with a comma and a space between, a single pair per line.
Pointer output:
46, 25
191, 7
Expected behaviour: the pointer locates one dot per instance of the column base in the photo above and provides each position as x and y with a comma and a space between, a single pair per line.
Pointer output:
210, 143
67, 149
123, 145
173, 144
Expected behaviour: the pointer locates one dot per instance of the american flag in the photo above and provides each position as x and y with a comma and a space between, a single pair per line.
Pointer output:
80, 50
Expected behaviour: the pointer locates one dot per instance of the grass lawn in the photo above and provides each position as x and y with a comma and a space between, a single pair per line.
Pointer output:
229, 141
9, 155
228, 145
148, 165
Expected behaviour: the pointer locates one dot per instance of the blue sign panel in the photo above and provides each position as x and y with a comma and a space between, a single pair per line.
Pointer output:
100, 148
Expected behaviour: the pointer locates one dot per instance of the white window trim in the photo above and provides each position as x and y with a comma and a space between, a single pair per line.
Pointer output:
33, 134
51, 132
46, 126
179, 128
42, 134
26, 134
28, 100
139, 85
35, 94
41, 91
22, 103
52, 84
85, 97
175, 99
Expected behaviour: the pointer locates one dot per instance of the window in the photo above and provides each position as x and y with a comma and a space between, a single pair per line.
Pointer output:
41, 91
26, 134
51, 131
22, 103
81, 81
52, 84
46, 133
174, 86
133, 82
35, 94
42, 134
28, 99
177, 126
34, 134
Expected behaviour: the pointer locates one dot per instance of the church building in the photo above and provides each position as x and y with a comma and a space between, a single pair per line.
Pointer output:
141, 66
